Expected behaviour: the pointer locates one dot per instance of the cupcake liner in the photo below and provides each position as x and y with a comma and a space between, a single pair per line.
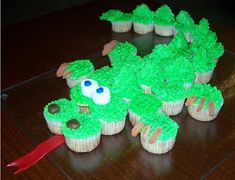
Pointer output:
142, 28
73, 82
163, 30
121, 26
202, 115
84, 109
187, 85
158, 147
83, 145
173, 108
216, 60
147, 89
203, 78
54, 126
134, 118
186, 35
111, 128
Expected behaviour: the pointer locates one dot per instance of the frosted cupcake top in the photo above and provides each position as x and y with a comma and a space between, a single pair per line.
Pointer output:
181, 70
169, 126
201, 61
116, 16
142, 14
77, 96
114, 111
216, 51
207, 91
143, 104
82, 126
79, 68
164, 16
122, 49
184, 22
60, 110
171, 91
161, 51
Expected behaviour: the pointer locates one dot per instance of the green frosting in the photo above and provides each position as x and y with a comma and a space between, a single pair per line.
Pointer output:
161, 51
208, 92
89, 126
181, 70
79, 68
169, 126
114, 111
142, 14
202, 62
169, 91
68, 109
125, 82
143, 104
184, 22
178, 42
151, 73
103, 76
164, 16
116, 16
216, 51
77, 96
209, 40
122, 49
203, 26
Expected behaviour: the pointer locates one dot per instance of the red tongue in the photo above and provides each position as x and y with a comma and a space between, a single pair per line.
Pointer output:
34, 156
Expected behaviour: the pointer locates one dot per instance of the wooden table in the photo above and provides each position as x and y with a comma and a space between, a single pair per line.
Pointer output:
31, 53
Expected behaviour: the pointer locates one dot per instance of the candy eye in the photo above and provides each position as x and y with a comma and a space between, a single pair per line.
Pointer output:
101, 95
88, 86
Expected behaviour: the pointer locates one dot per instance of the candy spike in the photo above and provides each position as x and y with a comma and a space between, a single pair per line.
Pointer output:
211, 108
136, 129
155, 135
202, 100
67, 74
190, 100
108, 47
61, 69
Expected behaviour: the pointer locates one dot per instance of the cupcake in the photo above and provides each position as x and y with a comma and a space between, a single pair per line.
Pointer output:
112, 115
76, 71
158, 133
121, 22
184, 23
172, 96
143, 19
216, 51
141, 105
58, 111
121, 50
204, 102
181, 71
82, 133
164, 21
203, 65
180, 46
150, 74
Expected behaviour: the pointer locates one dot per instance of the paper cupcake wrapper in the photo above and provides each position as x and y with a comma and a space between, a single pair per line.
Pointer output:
73, 82
54, 126
187, 85
203, 77
158, 147
121, 26
202, 115
83, 145
134, 118
142, 28
186, 35
163, 30
173, 108
114, 127
147, 89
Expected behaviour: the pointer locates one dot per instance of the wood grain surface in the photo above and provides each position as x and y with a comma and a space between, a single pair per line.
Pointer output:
31, 53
